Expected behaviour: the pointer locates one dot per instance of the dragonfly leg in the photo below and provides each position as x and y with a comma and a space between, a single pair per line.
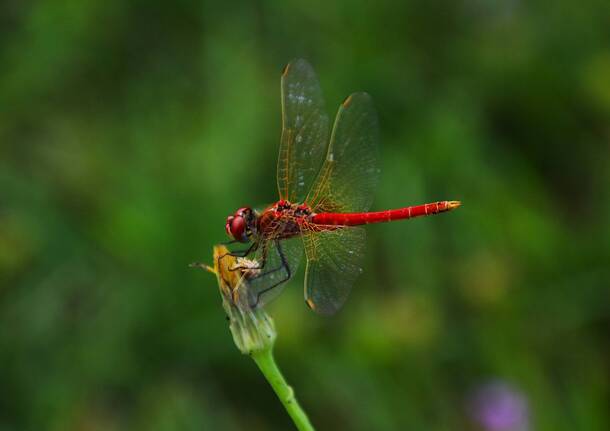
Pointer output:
238, 253
283, 265
242, 253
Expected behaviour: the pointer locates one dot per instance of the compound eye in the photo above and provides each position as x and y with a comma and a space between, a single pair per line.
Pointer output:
245, 212
237, 228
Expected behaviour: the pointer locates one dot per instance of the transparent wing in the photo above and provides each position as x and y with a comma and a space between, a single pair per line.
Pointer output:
349, 176
281, 258
304, 131
334, 261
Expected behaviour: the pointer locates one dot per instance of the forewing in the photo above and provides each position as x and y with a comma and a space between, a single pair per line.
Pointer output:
304, 131
334, 261
350, 173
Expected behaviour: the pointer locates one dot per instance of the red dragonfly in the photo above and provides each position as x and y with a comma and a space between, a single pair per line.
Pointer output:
326, 185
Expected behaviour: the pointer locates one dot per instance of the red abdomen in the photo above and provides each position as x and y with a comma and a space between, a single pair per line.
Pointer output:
355, 219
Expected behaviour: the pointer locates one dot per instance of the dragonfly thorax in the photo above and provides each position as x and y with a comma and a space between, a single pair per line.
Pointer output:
296, 210
283, 219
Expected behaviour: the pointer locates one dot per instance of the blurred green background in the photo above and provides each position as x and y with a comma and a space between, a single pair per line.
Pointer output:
130, 130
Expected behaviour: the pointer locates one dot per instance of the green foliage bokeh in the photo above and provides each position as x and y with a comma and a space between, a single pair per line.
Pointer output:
130, 130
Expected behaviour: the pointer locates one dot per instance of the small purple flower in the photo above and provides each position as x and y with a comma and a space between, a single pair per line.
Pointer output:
498, 406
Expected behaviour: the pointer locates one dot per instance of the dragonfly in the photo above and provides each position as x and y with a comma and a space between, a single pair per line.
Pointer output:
326, 180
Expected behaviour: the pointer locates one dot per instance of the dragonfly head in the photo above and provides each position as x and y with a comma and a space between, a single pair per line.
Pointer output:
241, 225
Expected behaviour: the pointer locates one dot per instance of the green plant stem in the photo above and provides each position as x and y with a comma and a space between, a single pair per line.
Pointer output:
265, 361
